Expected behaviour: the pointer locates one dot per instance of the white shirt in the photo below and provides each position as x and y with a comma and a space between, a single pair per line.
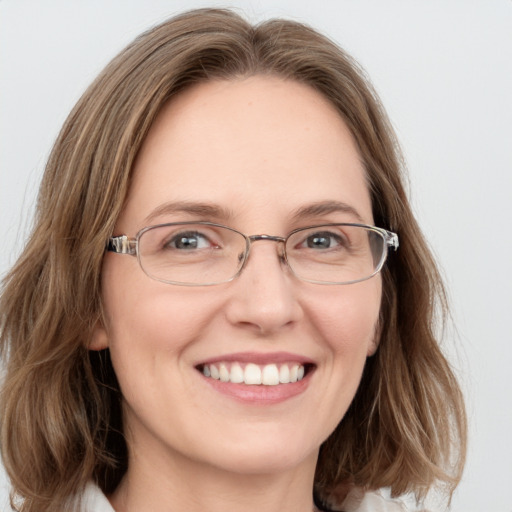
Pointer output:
379, 501
94, 500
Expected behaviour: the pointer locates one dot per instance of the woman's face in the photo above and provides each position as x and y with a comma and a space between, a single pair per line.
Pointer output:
260, 155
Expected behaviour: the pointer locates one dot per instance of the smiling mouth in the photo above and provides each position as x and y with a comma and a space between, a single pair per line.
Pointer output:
254, 374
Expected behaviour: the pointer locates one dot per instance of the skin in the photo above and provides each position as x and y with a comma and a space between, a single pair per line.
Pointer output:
260, 148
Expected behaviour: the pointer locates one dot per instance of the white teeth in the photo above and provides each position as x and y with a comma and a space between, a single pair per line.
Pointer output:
253, 374
237, 374
270, 375
284, 374
214, 372
223, 373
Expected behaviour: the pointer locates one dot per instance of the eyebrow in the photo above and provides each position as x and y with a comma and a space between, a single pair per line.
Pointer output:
214, 211
325, 208
207, 210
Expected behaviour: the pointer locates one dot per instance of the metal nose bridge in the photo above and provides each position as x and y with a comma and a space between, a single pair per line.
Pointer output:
255, 238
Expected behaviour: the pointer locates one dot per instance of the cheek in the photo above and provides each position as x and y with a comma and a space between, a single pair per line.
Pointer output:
349, 318
156, 321
150, 337
346, 320
137, 305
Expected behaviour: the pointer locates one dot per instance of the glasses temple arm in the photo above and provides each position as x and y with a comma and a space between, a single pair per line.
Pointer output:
392, 240
121, 245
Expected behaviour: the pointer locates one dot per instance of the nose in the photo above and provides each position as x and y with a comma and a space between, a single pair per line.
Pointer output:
264, 296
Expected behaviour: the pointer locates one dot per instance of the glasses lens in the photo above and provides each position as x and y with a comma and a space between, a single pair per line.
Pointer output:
195, 254
338, 253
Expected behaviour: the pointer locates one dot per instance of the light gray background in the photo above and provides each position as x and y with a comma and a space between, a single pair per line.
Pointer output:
444, 71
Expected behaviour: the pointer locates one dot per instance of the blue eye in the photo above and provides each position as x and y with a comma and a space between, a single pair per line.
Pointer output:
189, 241
323, 240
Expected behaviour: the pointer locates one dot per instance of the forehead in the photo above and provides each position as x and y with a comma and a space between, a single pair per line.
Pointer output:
249, 145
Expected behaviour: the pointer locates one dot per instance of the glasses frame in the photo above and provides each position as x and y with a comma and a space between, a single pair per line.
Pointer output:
123, 244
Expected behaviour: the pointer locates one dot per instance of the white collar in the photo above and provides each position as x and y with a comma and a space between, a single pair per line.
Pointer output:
93, 500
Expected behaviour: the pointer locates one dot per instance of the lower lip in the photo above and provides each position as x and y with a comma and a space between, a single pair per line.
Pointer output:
260, 394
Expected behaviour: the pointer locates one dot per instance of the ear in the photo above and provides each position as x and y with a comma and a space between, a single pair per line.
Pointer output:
374, 342
372, 347
99, 338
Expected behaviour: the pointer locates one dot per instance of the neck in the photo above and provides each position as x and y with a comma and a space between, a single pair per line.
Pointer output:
182, 485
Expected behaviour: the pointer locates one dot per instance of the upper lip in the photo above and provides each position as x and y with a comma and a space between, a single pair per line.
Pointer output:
260, 358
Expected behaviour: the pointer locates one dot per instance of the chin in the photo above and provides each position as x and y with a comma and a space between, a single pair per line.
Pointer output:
270, 461
264, 452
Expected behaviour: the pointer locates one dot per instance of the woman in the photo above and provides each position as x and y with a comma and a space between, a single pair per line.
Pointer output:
212, 311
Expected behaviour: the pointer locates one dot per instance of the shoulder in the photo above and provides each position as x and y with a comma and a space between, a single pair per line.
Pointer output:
380, 500
93, 500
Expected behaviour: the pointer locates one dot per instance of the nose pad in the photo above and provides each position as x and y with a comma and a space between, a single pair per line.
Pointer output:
282, 255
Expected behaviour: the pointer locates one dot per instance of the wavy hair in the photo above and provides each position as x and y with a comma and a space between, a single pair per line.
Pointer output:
61, 422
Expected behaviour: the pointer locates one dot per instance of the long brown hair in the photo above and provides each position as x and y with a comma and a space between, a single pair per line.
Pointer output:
60, 404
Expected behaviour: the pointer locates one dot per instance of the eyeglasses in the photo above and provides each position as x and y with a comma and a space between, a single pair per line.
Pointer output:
205, 253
